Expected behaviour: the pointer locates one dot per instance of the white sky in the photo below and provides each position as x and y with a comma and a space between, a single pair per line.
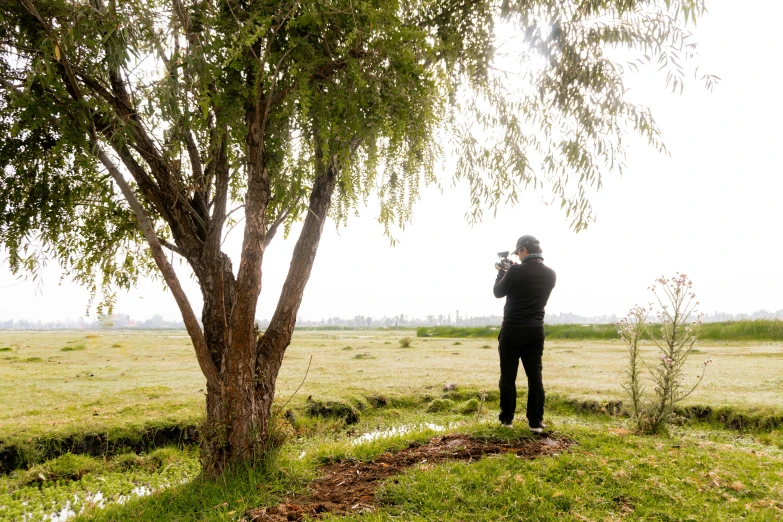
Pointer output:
711, 210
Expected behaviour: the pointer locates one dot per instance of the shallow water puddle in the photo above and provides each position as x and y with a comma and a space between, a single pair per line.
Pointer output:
401, 430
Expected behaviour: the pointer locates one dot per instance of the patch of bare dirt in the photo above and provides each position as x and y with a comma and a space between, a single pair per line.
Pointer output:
349, 487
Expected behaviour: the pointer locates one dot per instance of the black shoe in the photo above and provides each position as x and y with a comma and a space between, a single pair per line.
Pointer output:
505, 423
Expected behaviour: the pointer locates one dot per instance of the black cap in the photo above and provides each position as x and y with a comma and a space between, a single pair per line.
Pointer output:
531, 244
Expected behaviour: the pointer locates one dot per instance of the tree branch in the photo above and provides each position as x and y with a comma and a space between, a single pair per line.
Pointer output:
191, 323
171, 247
272, 345
270, 233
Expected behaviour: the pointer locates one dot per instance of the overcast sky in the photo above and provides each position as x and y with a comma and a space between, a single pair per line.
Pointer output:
711, 210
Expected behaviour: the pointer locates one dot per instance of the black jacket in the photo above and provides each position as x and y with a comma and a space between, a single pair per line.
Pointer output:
526, 287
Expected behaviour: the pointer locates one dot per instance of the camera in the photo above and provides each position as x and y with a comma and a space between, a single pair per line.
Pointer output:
505, 262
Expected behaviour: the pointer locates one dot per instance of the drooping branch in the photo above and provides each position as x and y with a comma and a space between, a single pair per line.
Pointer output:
145, 224
71, 85
120, 101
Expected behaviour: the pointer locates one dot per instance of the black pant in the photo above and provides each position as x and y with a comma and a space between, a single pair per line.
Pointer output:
526, 343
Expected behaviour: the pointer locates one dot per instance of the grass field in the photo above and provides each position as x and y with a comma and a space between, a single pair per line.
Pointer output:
753, 331
70, 383
128, 379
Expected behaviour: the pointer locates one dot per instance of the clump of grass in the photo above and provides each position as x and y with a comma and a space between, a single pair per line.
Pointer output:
405, 342
363, 356
32, 359
116, 345
162, 456
486, 346
346, 348
65, 467
438, 405
6, 349
74, 348
91, 336
387, 342
378, 401
128, 461
458, 343
333, 409
469, 406
359, 404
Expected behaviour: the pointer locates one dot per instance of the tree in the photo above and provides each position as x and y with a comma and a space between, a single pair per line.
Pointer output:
141, 129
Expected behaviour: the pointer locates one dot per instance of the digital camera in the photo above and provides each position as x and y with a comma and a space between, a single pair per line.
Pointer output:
505, 262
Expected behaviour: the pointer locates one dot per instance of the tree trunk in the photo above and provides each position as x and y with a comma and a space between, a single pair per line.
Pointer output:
238, 423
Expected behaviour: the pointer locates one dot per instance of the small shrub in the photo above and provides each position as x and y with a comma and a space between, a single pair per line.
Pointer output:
405, 342
347, 348
116, 345
6, 349
74, 348
363, 356
469, 406
631, 329
438, 405
675, 342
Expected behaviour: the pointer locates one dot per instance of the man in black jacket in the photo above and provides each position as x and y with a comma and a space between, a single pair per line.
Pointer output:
526, 287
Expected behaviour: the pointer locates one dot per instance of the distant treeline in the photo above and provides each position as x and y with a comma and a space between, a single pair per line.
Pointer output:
757, 330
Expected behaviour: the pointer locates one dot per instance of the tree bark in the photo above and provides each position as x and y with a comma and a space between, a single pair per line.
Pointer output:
272, 345
238, 424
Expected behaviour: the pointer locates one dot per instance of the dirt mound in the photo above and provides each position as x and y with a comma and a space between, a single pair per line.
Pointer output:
349, 487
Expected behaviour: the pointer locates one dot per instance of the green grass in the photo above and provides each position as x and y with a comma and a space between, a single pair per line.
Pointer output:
658, 478
458, 331
757, 330
49, 395
50, 485
604, 477
698, 473
121, 390
607, 474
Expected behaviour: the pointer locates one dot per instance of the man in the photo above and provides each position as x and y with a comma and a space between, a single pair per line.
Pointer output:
526, 287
